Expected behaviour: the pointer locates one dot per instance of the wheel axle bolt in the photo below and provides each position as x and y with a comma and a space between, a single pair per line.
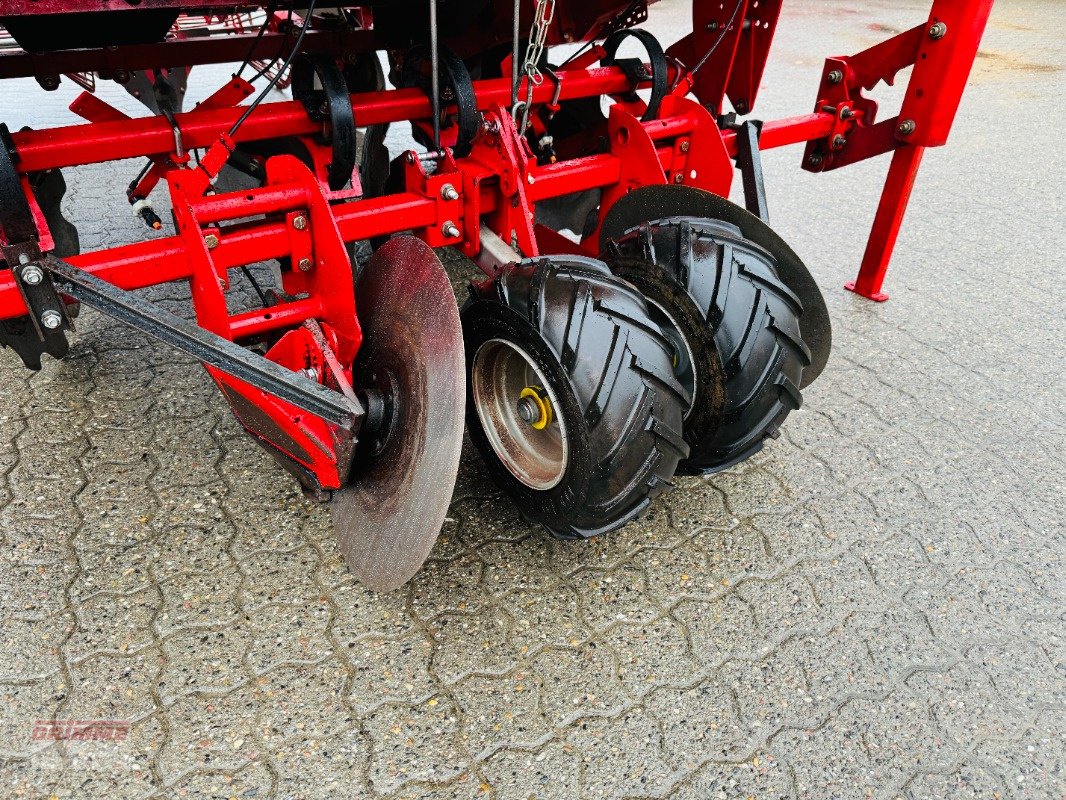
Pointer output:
32, 275
450, 230
528, 410
211, 241
937, 30
299, 222
835, 76
448, 192
51, 319
905, 128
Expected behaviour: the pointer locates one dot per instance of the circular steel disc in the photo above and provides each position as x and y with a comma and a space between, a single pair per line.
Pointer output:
658, 202
390, 514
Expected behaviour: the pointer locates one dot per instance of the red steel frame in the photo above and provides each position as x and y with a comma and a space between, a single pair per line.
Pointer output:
498, 184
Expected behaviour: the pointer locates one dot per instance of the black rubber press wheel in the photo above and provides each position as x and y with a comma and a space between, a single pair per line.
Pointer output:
571, 397
735, 326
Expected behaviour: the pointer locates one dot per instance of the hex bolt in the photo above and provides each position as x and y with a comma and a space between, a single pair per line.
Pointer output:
835, 76
679, 178
839, 141
685, 146
448, 192
51, 319
905, 128
937, 30
304, 264
528, 410
32, 275
814, 160
450, 230
846, 113
211, 241
299, 222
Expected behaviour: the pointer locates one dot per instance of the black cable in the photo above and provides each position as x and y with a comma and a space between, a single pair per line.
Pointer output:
273, 81
610, 23
718, 41
255, 285
281, 47
258, 37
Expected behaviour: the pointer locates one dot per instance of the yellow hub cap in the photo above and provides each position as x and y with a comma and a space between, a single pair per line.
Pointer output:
543, 405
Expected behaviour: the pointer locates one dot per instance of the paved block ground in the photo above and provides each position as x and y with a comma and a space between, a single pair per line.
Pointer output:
871, 607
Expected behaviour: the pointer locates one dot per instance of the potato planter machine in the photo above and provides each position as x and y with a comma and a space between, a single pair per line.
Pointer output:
670, 330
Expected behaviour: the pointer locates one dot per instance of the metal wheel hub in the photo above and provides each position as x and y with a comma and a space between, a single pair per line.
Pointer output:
516, 409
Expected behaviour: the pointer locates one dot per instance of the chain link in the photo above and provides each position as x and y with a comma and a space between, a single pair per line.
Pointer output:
538, 37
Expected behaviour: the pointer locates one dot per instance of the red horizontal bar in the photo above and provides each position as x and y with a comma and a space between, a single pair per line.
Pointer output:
265, 200
263, 320
783, 132
110, 141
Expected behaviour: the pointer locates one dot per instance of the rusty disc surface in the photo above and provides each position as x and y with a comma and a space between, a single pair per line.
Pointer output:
390, 514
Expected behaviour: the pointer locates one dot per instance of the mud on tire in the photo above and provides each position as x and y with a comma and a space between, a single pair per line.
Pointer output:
583, 342
741, 324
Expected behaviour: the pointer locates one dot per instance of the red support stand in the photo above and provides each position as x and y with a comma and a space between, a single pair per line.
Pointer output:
887, 221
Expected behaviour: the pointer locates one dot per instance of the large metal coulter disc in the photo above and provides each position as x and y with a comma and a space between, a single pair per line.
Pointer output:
389, 516
658, 202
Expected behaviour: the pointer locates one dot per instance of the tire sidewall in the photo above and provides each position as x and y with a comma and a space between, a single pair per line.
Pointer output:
659, 286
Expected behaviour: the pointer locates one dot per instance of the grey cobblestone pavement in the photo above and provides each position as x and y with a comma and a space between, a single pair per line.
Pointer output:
871, 607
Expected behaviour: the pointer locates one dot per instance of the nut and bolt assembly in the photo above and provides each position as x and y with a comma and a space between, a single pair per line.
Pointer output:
304, 264
32, 275
51, 319
835, 76
937, 30
299, 222
448, 192
906, 127
839, 141
450, 230
528, 411
211, 241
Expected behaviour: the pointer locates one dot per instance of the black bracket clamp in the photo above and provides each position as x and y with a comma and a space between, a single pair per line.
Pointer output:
330, 103
635, 69
43, 330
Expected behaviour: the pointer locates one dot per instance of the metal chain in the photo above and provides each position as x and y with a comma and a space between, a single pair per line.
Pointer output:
538, 37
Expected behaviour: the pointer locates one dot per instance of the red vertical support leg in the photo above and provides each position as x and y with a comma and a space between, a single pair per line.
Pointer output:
889, 217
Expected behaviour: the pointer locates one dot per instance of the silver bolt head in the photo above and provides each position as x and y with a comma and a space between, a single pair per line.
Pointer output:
937, 30
685, 146
299, 222
448, 192
211, 241
679, 178
51, 319
528, 410
905, 128
450, 230
32, 275
835, 76
304, 265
